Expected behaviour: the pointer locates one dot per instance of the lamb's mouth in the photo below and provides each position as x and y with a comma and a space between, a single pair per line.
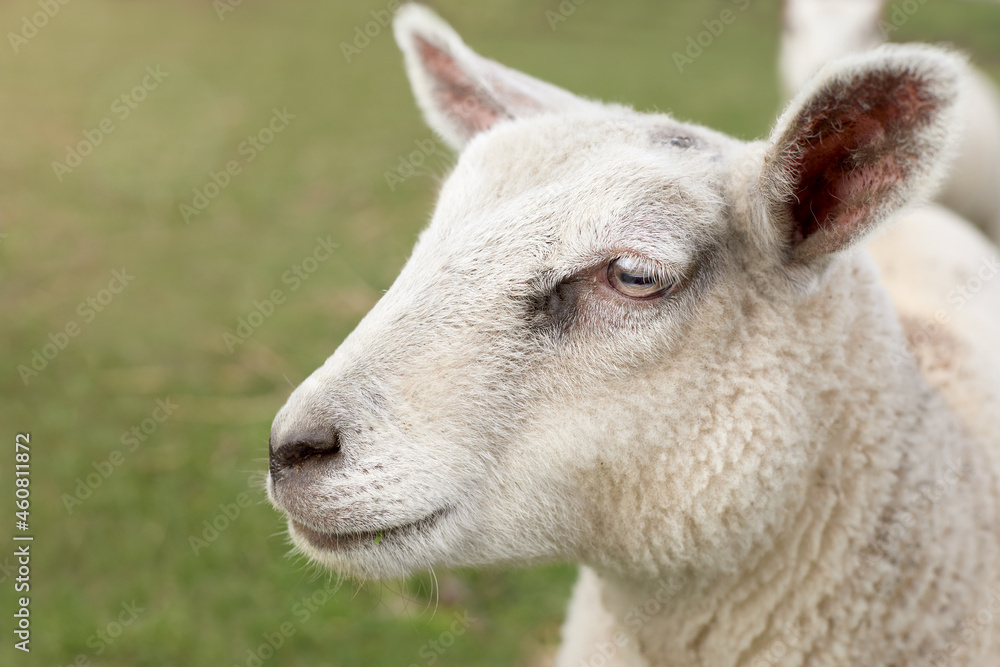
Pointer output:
369, 538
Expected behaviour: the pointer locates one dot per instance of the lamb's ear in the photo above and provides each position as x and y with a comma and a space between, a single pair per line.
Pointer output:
460, 92
868, 135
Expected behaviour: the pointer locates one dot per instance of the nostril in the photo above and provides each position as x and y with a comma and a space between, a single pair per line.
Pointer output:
299, 451
299, 446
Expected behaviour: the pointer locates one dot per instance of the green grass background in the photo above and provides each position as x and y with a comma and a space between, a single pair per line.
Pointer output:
163, 335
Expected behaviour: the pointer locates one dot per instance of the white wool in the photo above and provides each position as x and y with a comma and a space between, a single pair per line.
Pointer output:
766, 464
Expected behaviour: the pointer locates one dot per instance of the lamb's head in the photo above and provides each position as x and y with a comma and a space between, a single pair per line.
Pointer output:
591, 353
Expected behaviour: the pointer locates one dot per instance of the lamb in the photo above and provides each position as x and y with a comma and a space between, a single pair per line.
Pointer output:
669, 356
817, 31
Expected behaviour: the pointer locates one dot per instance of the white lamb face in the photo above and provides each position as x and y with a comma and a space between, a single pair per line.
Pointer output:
457, 395
585, 318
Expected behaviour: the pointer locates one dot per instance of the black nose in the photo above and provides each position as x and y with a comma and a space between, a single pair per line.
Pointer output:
299, 445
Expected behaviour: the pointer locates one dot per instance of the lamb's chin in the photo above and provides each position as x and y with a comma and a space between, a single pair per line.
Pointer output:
389, 554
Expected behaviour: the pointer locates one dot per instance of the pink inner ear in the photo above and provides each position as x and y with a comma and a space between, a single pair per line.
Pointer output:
468, 106
852, 151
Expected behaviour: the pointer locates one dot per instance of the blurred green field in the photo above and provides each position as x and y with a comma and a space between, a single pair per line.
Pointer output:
124, 536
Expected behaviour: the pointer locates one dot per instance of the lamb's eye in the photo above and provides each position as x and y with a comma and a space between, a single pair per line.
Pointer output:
636, 279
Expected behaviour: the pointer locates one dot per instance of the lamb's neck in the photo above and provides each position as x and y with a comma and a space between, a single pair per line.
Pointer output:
891, 520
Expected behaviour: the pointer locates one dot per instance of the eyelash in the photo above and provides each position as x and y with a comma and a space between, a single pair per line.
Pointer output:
558, 305
651, 283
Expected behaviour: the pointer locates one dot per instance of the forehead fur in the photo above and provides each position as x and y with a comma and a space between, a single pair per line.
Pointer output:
530, 183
